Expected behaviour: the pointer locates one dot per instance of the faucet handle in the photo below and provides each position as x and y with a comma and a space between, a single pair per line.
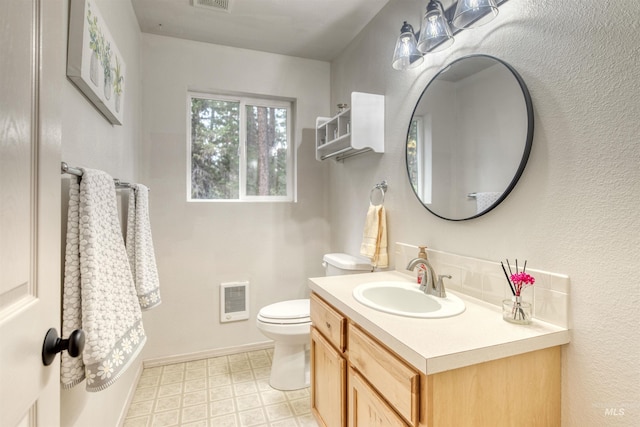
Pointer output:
440, 281
440, 285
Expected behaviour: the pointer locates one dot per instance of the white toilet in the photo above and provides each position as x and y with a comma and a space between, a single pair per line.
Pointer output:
288, 323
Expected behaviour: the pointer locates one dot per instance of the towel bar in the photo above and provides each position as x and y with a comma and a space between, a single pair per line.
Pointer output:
382, 187
78, 172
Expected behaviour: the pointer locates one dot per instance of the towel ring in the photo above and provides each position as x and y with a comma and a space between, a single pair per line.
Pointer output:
382, 187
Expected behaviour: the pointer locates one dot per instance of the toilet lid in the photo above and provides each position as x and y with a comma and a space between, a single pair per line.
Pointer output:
293, 309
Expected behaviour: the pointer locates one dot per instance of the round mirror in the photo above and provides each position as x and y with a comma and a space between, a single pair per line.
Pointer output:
469, 137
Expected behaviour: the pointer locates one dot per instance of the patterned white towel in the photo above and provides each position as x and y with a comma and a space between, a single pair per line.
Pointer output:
484, 200
140, 248
99, 295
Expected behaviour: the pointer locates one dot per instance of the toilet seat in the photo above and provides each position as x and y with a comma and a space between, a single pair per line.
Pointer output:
286, 312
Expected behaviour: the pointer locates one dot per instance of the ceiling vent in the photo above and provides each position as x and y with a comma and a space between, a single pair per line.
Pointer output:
216, 5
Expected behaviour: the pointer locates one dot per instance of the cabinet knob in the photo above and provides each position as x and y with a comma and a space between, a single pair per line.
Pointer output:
328, 325
53, 345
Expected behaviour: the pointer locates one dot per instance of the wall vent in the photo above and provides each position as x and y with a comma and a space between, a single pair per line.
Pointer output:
216, 5
234, 301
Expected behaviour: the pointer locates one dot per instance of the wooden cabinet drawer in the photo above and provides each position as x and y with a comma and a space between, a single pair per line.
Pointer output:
390, 375
366, 408
328, 321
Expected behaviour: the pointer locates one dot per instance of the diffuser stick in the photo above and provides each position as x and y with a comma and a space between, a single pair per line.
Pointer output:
513, 291
509, 265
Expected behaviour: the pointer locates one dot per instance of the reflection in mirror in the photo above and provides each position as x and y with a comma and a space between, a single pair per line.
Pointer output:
469, 137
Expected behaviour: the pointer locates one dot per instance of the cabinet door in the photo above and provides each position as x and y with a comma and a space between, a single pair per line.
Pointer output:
366, 408
328, 382
395, 381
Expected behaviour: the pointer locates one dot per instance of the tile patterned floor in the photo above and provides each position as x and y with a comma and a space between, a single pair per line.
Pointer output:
225, 391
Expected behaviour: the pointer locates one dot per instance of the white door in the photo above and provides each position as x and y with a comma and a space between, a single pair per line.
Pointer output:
32, 52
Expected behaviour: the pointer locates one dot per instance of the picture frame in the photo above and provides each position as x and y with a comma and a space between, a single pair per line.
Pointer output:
94, 63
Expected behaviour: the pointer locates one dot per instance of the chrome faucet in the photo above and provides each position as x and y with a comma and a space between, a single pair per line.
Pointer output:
427, 274
429, 285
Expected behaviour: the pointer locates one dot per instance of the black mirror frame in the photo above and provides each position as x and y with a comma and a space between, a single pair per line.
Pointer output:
528, 142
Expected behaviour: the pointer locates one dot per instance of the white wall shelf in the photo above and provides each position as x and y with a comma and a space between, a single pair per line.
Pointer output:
358, 129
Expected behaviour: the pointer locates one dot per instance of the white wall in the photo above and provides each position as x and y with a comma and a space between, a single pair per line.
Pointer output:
575, 209
275, 246
89, 140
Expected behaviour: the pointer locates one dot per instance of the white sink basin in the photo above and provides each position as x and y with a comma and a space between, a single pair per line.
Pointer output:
406, 299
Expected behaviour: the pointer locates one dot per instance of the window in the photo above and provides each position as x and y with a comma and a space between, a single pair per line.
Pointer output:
239, 149
419, 156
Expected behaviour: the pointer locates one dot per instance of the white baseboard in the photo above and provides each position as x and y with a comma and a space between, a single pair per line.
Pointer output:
181, 358
132, 391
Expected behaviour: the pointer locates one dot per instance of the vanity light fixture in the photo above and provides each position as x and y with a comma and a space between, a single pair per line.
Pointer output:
474, 13
435, 32
406, 54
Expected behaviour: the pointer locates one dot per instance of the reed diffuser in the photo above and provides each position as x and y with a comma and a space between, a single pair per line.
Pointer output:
515, 310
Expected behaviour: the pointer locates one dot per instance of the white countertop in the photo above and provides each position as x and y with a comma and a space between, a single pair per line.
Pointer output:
436, 345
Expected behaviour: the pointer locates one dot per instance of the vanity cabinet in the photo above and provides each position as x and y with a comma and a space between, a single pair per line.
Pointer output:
357, 129
357, 381
328, 365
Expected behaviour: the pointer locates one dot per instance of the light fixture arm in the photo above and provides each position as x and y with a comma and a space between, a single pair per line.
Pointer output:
407, 28
434, 5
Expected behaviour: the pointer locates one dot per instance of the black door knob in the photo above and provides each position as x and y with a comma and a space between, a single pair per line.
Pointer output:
53, 345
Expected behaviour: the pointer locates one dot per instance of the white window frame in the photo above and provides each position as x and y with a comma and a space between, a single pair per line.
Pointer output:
244, 101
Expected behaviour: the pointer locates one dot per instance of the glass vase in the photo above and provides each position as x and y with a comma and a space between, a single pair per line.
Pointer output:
514, 310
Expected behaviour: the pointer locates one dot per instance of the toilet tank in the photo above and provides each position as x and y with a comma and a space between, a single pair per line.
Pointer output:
339, 264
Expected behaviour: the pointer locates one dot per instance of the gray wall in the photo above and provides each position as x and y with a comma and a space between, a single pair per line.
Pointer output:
273, 245
576, 208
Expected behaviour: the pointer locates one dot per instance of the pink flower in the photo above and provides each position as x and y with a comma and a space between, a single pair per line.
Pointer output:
522, 280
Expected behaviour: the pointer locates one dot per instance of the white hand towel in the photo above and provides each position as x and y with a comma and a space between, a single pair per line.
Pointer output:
484, 200
374, 237
140, 248
99, 295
